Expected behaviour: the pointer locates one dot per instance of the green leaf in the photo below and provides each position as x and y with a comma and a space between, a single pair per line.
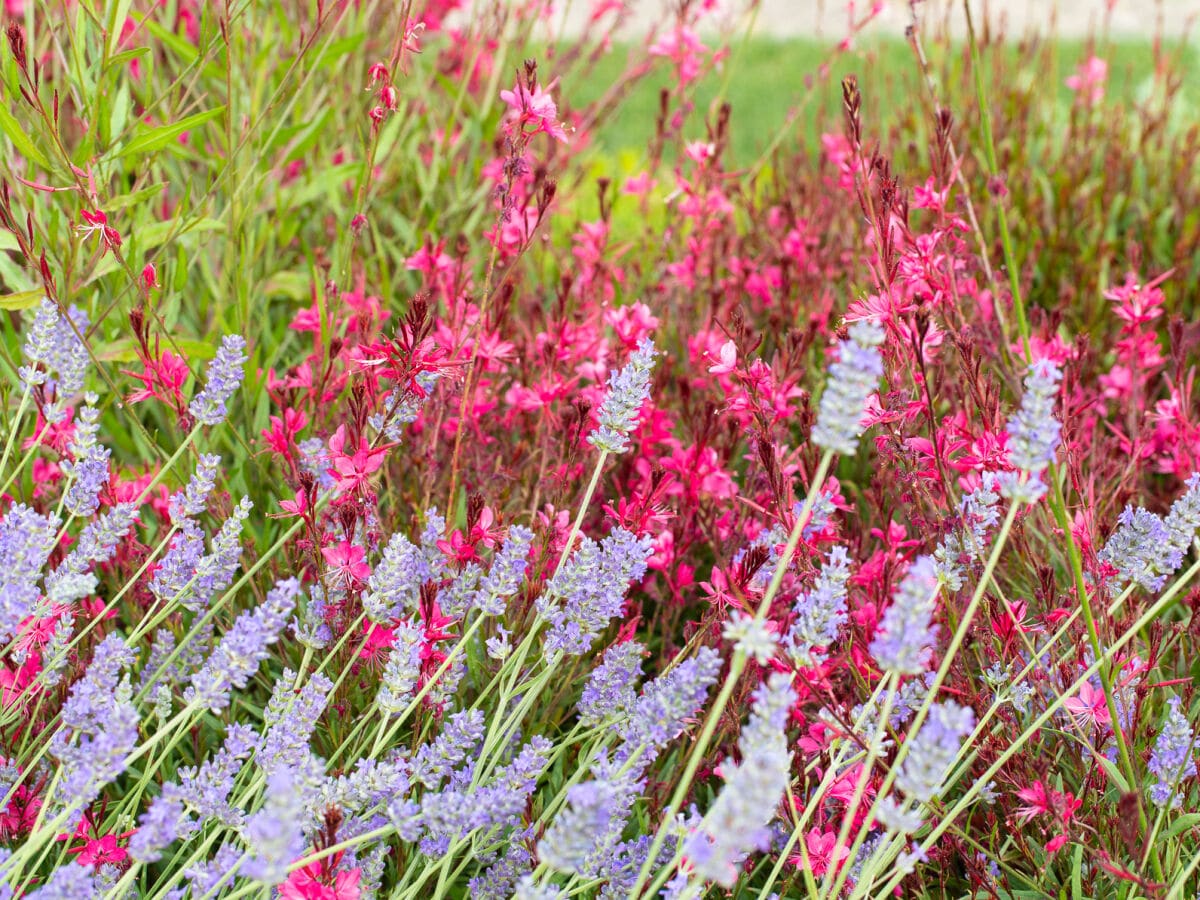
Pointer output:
21, 299
1183, 823
293, 285
117, 14
156, 138
127, 56
21, 141
1113, 773
133, 199
124, 350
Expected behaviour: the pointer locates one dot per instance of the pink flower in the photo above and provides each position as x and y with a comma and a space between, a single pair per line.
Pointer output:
532, 112
1088, 80
309, 883
820, 851
352, 471
728, 359
1088, 707
347, 562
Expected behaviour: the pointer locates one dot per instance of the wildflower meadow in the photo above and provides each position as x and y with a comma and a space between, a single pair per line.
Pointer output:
478, 450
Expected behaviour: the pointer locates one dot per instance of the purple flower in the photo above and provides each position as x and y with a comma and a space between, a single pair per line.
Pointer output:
667, 703
242, 648
223, 377
1033, 433
206, 789
852, 380
507, 573
88, 471
1173, 759
52, 346
175, 574
98, 540
26, 540
402, 408
978, 515
611, 689
394, 588
214, 572
99, 726
158, 827
933, 751
1141, 550
453, 748
1183, 519
206, 877
501, 878
904, 640
402, 670
72, 881
289, 721
820, 613
193, 499
738, 821
628, 390
452, 813
589, 590
273, 835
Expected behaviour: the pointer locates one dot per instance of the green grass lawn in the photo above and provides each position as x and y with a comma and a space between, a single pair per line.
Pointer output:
764, 79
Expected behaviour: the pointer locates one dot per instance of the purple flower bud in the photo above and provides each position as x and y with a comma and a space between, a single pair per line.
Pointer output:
242, 648
223, 377
1173, 759
904, 639
1033, 433
852, 380
628, 390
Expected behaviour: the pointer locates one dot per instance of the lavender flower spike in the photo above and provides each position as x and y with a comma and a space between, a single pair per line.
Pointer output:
1033, 434
242, 648
738, 821
507, 572
628, 389
820, 613
273, 834
223, 378
1173, 759
934, 750
590, 590
852, 379
904, 640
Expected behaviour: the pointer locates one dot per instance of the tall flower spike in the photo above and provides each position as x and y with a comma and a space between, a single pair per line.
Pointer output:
224, 375
904, 641
1140, 550
611, 689
242, 648
26, 541
273, 834
1033, 433
53, 344
738, 821
628, 389
589, 591
193, 499
852, 380
820, 613
504, 578
1173, 759
99, 726
923, 773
